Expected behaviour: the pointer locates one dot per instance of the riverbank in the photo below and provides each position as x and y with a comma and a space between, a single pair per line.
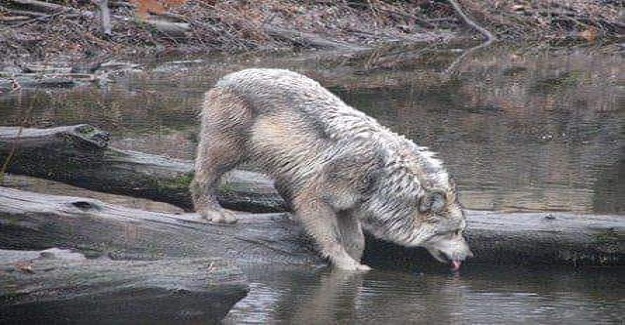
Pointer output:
34, 31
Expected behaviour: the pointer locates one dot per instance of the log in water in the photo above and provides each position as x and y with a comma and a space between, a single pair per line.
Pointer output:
58, 286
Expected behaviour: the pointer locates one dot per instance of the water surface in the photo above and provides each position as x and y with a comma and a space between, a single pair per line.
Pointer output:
478, 295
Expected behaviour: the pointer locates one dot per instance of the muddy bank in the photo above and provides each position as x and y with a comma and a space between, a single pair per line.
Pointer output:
77, 31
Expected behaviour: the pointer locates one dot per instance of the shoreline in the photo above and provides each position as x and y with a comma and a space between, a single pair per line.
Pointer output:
35, 31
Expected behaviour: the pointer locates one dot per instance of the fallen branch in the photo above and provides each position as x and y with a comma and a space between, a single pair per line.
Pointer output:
51, 9
307, 40
22, 12
451, 70
42, 6
41, 18
12, 19
57, 284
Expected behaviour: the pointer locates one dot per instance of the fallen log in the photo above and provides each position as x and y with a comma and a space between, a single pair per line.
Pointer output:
33, 221
558, 238
56, 285
78, 155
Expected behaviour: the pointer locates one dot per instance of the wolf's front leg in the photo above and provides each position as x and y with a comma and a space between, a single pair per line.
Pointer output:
320, 221
352, 236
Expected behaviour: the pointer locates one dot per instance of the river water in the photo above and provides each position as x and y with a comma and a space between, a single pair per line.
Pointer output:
480, 294
521, 129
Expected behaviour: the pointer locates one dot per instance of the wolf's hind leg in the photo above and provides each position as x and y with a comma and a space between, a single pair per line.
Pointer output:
203, 191
221, 147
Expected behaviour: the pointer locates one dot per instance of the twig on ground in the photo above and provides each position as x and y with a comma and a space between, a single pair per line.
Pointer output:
489, 36
44, 17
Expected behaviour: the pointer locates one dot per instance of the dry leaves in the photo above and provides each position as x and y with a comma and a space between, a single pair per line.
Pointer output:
145, 7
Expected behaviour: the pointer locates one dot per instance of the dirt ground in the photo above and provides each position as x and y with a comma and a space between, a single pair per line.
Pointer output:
32, 30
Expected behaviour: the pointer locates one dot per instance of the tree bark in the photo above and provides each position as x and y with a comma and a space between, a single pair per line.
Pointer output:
78, 155
55, 285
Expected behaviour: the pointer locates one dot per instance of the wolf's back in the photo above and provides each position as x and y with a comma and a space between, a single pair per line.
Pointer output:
278, 89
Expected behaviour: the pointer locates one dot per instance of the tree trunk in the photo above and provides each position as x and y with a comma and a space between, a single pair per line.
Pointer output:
78, 155
57, 286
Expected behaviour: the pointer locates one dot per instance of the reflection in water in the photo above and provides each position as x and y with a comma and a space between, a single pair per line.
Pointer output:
535, 160
480, 295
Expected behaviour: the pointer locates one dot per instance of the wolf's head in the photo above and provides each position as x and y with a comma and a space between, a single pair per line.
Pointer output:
414, 202
442, 225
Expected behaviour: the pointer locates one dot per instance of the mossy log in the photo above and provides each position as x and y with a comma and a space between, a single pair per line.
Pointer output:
78, 155
59, 286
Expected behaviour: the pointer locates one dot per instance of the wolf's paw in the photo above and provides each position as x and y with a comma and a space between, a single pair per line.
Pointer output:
218, 216
363, 268
352, 266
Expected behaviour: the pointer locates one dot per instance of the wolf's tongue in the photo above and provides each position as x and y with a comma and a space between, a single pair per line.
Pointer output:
455, 265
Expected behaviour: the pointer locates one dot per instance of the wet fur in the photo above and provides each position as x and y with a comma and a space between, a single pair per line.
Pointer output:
339, 169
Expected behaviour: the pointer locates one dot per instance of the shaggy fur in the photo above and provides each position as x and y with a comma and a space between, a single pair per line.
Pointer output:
339, 169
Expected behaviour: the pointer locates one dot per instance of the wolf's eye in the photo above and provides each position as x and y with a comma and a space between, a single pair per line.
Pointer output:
457, 232
432, 202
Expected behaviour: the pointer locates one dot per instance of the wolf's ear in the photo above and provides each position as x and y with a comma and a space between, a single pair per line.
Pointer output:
432, 201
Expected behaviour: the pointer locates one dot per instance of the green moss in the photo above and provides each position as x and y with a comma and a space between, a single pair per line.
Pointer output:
609, 236
86, 129
177, 183
226, 188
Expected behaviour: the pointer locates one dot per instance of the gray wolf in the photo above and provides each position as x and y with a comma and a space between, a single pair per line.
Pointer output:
339, 169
